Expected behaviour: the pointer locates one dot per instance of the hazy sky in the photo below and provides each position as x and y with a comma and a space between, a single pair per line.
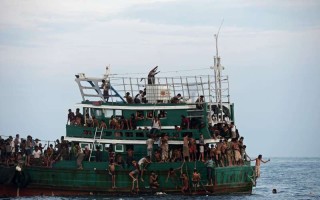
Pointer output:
270, 50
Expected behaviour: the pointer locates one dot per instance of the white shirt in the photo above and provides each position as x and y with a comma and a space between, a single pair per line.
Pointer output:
37, 154
156, 124
149, 143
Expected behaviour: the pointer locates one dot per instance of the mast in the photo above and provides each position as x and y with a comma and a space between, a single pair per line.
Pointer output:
217, 76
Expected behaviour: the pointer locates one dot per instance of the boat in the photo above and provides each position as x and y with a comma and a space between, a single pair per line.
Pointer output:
186, 106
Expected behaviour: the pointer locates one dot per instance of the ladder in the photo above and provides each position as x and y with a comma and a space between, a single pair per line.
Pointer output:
97, 135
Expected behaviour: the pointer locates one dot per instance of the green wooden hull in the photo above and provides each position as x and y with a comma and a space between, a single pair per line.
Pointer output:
65, 179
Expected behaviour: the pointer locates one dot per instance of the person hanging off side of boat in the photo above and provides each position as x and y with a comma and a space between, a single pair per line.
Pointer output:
257, 166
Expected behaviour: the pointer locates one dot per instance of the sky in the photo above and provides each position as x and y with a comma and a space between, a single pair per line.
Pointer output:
270, 51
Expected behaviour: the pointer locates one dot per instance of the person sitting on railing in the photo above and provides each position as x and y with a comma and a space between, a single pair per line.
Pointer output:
129, 99
200, 102
176, 99
138, 97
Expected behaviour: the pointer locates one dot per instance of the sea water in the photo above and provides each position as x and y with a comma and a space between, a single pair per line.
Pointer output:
293, 178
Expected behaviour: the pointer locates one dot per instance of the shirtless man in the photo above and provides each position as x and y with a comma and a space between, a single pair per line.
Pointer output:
196, 177
193, 149
134, 175
218, 153
185, 150
236, 150
185, 183
257, 166
153, 180
128, 98
112, 172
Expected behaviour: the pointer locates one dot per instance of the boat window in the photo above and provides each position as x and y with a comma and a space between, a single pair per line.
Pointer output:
118, 112
150, 114
106, 146
98, 145
140, 114
162, 114
119, 148
129, 147
98, 113
84, 145
107, 113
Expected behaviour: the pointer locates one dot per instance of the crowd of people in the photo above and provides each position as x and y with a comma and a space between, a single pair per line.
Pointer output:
32, 152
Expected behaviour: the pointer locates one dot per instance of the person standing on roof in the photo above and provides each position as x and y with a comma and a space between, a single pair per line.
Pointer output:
105, 86
151, 75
